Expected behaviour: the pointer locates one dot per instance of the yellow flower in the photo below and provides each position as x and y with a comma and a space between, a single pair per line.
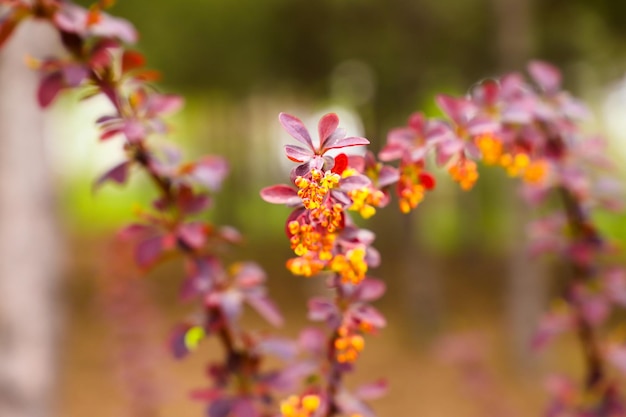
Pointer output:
351, 267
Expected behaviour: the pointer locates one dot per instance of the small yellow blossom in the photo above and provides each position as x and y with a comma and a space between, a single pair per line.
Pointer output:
305, 265
294, 406
313, 191
351, 267
364, 200
536, 172
490, 147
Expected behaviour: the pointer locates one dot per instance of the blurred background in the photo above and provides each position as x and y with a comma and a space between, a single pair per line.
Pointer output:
455, 266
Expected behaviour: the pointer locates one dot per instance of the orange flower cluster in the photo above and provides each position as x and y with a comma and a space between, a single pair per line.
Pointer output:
348, 346
465, 172
517, 164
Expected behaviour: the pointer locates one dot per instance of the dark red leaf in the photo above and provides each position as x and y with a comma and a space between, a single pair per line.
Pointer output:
117, 174
149, 251
49, 87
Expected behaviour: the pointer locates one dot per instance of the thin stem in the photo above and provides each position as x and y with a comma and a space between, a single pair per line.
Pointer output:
582, 231
335, 375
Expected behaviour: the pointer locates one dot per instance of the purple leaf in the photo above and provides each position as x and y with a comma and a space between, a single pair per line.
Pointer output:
296, 129
354, 182
458, 109
332, 143
298, 153
244, 407
104, 119
117, 174
387, 176
133, 230
547, 76
370, 289
221, 407
211, 171
373, 390
267, 309
74, 74
350, 405
149, 251
115, 27
49, 87
249, 275
280, 194
327, 125
321, 309
313, 340
164, 103
134, 130
230, 301
369, 314
193, 234
284, 349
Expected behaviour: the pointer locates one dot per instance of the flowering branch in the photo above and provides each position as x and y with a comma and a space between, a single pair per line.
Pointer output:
533, 132
100, 63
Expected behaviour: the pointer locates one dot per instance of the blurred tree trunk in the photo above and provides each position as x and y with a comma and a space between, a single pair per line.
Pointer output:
29, 247
526, 291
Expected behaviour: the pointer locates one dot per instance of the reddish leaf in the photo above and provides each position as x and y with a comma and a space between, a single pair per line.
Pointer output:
298, 153
387, 176
326, 126
249, 275
285, 349
373, 390
354, 182
108, 134
211, 171
149, 251
345, 142
267, 309
547, 76
370, 289
193, 234
164, 103
132, 60
49, 87
321, 309
133, 230
117, 174
370, 315
296, 129
280, 194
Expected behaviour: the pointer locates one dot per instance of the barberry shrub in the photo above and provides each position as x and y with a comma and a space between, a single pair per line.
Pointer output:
530, 129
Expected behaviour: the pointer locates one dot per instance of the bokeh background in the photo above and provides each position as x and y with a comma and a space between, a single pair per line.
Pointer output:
456, 266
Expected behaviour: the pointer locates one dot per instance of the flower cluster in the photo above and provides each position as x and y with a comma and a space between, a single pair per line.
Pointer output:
532, 131
324, 238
